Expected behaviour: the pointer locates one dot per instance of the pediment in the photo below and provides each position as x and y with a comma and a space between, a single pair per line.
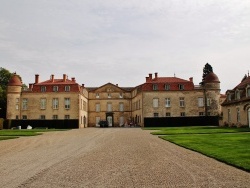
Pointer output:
109, 88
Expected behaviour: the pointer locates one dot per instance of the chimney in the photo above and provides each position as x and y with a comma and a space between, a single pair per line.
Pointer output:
147, 79
150, 76
73, 79
116, 85
52, 77
82, 85
191, 79
36, 78
30, 86
64, 77
156, 75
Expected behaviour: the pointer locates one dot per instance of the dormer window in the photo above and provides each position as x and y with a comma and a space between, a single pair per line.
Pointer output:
181, 87
55, 88
67, 88
167, 87
237, 95
248, 91
229, 97
43, 88
155, 87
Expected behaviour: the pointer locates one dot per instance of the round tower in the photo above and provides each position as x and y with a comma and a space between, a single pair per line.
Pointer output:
212, 94
14, 89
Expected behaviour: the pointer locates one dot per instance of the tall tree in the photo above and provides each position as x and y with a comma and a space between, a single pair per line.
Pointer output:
206, 70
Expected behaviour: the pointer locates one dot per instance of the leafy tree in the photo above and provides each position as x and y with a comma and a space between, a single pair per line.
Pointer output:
206, 70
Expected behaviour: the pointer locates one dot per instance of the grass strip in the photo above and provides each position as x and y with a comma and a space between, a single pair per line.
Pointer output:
231, 149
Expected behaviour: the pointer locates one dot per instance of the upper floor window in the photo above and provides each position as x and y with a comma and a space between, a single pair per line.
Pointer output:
55, 103
155, 87
238, 114
237, 94
43, 88
97, 107
229, 97
209, 101
167, 87
97, 95
67, 88
155, 103
121, 95
121, 107
200, 102
17, 100
55, 88
25, 104
181, 87
109, 107
67, 117
183, 114
67, 103
43, 104
167, 102
248, 91
182, 102
109, 95
201, 113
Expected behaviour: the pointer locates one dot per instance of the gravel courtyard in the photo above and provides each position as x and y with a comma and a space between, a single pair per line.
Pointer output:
109, 157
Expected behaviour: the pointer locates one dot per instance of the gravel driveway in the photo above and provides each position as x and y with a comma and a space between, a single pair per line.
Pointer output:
109, 157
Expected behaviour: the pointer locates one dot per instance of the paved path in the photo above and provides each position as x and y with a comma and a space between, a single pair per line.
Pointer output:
109, 157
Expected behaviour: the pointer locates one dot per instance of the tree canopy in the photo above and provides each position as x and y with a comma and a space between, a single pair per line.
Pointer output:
206, 70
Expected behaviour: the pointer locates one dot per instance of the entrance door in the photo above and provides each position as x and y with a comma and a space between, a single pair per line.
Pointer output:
249, 117
110, 120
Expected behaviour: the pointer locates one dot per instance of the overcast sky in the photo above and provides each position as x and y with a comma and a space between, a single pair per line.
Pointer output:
121, 41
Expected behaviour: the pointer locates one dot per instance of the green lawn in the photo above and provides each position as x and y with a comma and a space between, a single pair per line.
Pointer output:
229, 145
10, 134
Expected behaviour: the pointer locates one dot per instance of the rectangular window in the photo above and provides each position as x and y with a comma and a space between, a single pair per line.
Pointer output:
155, 87
121, 95
55, 117
25, 117
201, 113
43, 88
167, 87
167, 102
248, 92
97, 95
42, 104
200, 102
109, 107
168, 114
238, 114
155, 103
97, 107
25, 104
181, 87
182, 102
17, 106
42, 116
182, 114
67, 88
55, 88
208, 101
67, 103
229, 97
67, 117
121, 107
55, 103
17, 100
229, 115
156, 114
109, 95
237, 95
